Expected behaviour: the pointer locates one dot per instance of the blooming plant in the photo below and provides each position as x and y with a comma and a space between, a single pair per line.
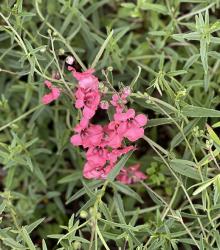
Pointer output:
81, 166
104, 144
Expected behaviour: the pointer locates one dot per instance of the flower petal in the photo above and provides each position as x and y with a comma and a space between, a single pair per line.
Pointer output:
141, 119
76, 140
133, 134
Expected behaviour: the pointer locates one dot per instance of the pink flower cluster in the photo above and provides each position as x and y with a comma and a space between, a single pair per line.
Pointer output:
104, 144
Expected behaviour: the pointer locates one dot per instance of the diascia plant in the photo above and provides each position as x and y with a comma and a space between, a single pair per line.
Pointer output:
103, 144
70, 174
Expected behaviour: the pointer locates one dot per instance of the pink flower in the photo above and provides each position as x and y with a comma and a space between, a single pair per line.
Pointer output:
116, 153
114, 139
97, 156
131, 175
118, 102
94, 172
126, 92
87, 136
53, 95
86, 79
131, 125
89, 100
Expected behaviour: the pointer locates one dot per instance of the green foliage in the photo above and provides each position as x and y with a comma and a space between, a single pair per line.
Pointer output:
167, 52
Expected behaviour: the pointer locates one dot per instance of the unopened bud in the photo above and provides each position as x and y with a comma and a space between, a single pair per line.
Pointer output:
126, 91
110, 68
76, 245
83, 214
42, 50
70, 60
61, 51
209, 144
56, 75
14, 126
103, 88
98, 216
91, 210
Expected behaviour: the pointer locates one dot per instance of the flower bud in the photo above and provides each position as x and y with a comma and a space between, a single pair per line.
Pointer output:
99, 215
56, 75
126, 91
103, 89
76, 245
101, 85
209, 144
42, 50
14, 126
110, 68
61, 51
70, 60
91, 210
83, 214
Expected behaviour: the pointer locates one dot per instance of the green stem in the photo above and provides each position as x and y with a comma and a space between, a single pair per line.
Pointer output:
60, 36
20, 117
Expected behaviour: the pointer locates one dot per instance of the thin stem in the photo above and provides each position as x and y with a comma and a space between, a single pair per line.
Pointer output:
196, 12
183, 188
20, 117
60, 36
59, 69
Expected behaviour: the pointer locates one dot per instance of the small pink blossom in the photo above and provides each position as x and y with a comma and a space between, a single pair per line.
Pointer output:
118, 102
97, 156
116, 153
94, 172
87, 136
131, 175
86, 79
88, 100
126, 92
131, 125
114, 139
70, 60
53, 95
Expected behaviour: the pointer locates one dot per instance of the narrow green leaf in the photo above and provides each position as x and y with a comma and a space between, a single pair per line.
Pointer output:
213, 135
208, 158
178, 138
154, 7
195, 111
159, 121
3, 206
82, 191
127, 191
27, 238
44, 246
12, 243
216, 125
115, 171
76, 175
185, 168
99, 54
203, 186
33, 225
